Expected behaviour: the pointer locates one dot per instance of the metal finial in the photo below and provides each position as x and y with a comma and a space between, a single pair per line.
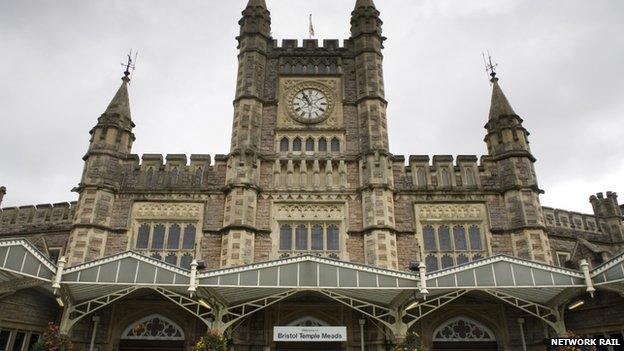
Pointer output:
130, 65
490, 67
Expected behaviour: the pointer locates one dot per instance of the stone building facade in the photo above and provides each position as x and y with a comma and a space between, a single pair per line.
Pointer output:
309, 180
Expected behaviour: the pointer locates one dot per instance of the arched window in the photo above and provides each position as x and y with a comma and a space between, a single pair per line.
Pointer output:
185, 261
431, 261
173, 240
322, 145
459, 236
297, 144
171, 258
421, 177
174, 176
308, 321
317, 238
199, 175
444, 238
333, 238
309, 144
447, 261
461, 259
475, 238
156, 256
149, 177
143, 236
284, 145
154, 327
158, 238
286, 238
477, 257
470, 178
189, 237
429, 238
463, 329
301, 238
335, 145
446, 179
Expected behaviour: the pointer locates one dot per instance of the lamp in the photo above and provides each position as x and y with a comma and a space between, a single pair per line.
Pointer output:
576, 304
205, 303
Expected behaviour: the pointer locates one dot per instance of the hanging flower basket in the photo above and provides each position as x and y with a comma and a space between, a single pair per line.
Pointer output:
571, 334
213, 341
411, 343
53, 340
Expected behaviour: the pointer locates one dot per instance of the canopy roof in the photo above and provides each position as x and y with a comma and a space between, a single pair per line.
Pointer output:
20, 259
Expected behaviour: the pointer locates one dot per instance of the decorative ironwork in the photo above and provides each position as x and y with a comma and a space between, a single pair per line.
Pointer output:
153, 327
463, 329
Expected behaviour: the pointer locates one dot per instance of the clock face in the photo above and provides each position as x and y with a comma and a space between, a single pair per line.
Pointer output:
310, 105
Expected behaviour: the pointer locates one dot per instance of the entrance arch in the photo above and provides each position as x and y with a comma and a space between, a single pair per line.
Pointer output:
463, 333
153, 332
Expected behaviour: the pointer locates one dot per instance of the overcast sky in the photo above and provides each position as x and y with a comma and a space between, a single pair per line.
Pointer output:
560, 64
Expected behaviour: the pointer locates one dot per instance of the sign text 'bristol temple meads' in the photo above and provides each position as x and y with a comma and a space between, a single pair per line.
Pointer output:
310, 226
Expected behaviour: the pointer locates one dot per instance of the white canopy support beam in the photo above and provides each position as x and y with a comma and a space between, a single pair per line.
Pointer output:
411, 316
206, 315
384, 315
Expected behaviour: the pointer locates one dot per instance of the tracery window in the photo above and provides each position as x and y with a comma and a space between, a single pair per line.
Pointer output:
444, 250
297, 144
313, 238
322, 145
421, 177
284, 145
446, 179
470, 178
310, 144
335, 145
463, 329
163, 241
153, 327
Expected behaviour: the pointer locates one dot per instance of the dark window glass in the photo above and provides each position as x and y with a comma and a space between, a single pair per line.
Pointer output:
322, 145
444, 238
4, 339
422, 179
54, 254
157, 256
34, 337
429, 238
447, 261
297, 144
301, 238
432, 263
158, 238
333, 238
189, 237
477, 257
461, 259
171, 258
143, 236
317, 238
459, 234
475, 238
286, 238
284, 145
18, 342
173, 241
335, 145
185, 261
310, 144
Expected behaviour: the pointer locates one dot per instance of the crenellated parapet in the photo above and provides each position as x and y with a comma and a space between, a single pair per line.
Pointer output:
43, 217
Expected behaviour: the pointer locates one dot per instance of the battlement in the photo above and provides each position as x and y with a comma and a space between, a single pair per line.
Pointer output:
554, 217
173, 160
36, 215
328, 45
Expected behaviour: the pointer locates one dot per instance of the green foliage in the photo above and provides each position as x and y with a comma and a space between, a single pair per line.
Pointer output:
213, 341
53, 340
411, 343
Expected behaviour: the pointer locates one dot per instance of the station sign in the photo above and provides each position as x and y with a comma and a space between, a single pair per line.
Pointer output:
309, 334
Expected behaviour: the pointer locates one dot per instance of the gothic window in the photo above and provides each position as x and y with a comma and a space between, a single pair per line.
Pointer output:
167, 241
189, 237
199, 174
297, 144
459, 234
461, 259
158, 237
286, 238
185, 261
446, 180
444, 238
309, 144
475, 238
421, 177
463, 329
333, 239
284, 144
174, 176
470, 178
447, 261
54, 253
154, 327
143, 236
301, 238
173, 239
317, 238
429, 238
335, 145
432, 263
308, 321
322, 145
477, 257
149, 177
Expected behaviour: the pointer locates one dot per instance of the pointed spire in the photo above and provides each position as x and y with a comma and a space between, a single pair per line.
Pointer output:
500, 105
257, 3
120, 104
364, 3
365, 19
256, 19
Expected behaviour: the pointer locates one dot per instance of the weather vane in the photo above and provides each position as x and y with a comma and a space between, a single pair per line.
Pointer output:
490, 67
131, 64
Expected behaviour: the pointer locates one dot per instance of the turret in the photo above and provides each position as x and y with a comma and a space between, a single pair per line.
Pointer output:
2, 193
508, 144
609, 214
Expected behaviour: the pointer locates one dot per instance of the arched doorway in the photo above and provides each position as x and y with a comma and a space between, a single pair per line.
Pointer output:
463, 334
308, 321
154, 332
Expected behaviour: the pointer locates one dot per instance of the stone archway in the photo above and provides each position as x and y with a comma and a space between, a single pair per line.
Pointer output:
152, 332
463, 333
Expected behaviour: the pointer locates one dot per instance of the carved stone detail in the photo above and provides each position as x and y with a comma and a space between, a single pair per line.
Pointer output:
158, 210
455, 212
309, 212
